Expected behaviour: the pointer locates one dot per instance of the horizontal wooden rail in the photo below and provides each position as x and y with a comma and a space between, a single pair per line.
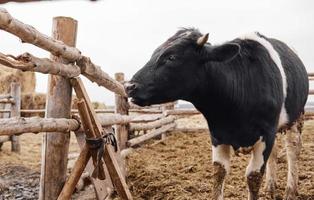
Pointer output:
11, 126
28, 62
8, 100
152, 125
6, 96
150, 135
30, 35
182, 112
4, 139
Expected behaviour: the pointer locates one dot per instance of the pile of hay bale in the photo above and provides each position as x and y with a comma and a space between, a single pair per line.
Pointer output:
9, 75
30, 99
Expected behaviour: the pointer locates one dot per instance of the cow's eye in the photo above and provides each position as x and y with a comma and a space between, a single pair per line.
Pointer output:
172, 57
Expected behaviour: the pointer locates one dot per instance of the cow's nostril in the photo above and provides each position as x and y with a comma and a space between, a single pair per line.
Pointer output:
129, 86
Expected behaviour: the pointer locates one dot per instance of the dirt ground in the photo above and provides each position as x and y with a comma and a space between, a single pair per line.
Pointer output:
176, 168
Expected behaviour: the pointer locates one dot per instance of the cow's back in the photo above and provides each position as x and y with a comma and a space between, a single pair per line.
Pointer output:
297, 80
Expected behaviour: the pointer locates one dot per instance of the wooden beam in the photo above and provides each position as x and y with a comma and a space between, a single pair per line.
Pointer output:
8, 100
103, 188
152, 125
5, 96
182, 112
30, 35
152, 134
11, 126
56, 146
15, 112
75, 175
95, 74
28, 62
109, 157
122, 107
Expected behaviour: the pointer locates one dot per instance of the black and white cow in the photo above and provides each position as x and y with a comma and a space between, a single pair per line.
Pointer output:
247, 89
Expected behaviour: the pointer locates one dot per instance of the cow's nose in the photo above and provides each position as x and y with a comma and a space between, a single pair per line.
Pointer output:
129, 87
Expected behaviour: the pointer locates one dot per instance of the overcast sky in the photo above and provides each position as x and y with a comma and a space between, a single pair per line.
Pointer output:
120, 35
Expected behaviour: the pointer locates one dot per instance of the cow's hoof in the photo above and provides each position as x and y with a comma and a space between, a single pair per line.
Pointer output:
291, 193
270, 189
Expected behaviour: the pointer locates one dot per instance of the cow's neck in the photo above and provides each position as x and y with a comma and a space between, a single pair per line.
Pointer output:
218, 93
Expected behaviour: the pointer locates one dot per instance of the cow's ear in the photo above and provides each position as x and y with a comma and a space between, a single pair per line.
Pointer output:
224, 52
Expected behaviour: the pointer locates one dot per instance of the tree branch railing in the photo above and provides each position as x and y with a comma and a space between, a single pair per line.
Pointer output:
30, 35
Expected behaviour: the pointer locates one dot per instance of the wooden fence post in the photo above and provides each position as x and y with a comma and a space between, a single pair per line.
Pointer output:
165, 108
122, 107
15, 112
56, 145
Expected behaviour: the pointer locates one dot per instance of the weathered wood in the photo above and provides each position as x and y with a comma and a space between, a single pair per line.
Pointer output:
5, 111
30, 35
6, 115
75, 175
152, 134
182, 112
56, 146
15, 112
103, 188
61, 48
4, 139
122, 107
152, 125
109, 157
145, 111
95, 74
5, 96
28, 62
191, 130
164, 108
72, 111
146, 118
11, 126
8, 100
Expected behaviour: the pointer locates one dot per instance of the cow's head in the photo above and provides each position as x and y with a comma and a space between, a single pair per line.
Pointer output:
177, 68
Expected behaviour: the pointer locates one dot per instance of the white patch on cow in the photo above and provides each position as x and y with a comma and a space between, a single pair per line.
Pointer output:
283, 118
221, 154
257, 158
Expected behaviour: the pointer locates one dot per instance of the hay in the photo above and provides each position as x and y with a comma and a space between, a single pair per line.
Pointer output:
9, 75
31, 101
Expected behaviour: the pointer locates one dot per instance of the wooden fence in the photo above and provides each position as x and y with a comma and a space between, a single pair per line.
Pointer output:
133, 125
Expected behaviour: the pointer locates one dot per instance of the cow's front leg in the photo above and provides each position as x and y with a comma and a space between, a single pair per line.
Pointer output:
221, 162
293, 147
256, 167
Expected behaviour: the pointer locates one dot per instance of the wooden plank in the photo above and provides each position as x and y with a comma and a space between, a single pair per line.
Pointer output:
110, 160
103, 188
15, 112
152, 134
56, 145
75, 175
122, 107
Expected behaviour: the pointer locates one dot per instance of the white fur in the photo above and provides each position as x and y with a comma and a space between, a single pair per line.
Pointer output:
283, 118
221, 154
257, 158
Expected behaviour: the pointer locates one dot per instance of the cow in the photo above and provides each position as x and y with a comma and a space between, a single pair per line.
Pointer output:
247, 89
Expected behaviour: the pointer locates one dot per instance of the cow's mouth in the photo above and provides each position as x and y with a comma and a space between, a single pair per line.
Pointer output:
139, 101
